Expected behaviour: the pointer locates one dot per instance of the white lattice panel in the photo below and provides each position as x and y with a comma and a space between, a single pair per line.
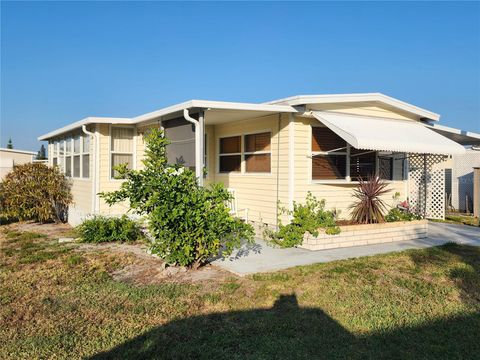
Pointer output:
429, 198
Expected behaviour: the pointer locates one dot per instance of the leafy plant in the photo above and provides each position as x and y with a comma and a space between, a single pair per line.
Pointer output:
396, 214
369, 207
105, 229
310, 217
36, 192
189, 223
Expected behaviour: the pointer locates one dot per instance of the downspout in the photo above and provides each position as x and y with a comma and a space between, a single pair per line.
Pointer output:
95, 174
278, 171
198, 143
291, 162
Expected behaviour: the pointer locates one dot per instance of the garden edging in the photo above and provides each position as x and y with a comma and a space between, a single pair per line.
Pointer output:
367, 234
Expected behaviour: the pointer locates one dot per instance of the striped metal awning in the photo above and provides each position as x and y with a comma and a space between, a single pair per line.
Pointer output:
382, 134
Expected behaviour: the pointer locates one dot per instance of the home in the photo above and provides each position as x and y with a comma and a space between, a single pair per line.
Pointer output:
271, 153
459, 176
11, 157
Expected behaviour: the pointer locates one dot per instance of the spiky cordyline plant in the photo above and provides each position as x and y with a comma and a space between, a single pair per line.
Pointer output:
369, 207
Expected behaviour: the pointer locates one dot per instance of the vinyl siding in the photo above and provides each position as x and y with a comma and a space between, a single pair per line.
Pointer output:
337, 196
257, 192
82, 200
106, 183
260, 192
371, 110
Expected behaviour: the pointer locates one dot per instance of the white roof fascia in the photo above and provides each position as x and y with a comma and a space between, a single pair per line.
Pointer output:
19, 151
362, 97
207, 104
382, 134
86, 121
454, 130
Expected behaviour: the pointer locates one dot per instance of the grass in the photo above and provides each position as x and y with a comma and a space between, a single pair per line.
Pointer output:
461, 219
57, 302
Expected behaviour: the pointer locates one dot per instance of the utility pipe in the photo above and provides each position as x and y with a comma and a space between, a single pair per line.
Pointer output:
198, 143
94, 158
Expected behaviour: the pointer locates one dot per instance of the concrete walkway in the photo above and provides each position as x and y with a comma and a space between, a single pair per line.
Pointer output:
261, 257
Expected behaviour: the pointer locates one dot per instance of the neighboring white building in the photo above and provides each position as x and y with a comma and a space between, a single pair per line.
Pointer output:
461, 188
11, 157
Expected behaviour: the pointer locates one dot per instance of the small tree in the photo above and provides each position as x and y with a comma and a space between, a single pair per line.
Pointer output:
36, 192
42, 153
189, 223
10, 144
369, 208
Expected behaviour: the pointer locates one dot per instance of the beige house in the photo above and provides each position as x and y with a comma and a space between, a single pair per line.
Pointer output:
267, 153
11, 157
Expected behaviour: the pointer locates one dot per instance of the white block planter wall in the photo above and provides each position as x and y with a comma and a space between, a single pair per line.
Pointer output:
358, 235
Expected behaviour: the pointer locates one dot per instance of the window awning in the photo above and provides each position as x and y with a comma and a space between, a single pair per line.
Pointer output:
381, 134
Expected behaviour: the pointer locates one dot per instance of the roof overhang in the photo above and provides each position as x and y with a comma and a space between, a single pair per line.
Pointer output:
358, 98
460, 136
19, 151
80, 123
381, 134
216, 111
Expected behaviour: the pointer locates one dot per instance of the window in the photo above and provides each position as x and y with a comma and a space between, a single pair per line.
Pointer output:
76, 156
121, 148
85, 156
54, 149
385, 168
68, 157
334, 159
329, 155
61, 155
257, 152
362, 163
230, 157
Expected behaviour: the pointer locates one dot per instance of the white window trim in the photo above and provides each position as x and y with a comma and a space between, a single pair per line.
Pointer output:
61, 156
347, 180
257, 153
82, 154
76, 154
68, 139
243, 171
110, 152
55, 151
218, 155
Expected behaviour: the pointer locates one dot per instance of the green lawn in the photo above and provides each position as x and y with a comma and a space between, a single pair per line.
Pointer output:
56, 302
460, 219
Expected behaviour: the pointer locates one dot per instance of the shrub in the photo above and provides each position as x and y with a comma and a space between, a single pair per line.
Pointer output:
35, 192
189, 223
369, 207
100, 229
310, 217
396, 214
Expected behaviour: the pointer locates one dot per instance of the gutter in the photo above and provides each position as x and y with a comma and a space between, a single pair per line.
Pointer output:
199, 139
95, 161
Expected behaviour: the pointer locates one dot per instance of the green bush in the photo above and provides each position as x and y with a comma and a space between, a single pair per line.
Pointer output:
35, 192
310, 217
395, 214
100, 229
189, 223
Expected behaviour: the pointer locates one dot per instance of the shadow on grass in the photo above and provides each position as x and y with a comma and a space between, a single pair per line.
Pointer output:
287, 331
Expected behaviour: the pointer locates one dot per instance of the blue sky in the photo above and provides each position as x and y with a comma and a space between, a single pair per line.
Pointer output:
63, 61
